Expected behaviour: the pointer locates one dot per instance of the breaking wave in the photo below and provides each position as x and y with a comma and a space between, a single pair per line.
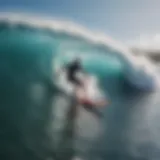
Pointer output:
30, 49
69, 39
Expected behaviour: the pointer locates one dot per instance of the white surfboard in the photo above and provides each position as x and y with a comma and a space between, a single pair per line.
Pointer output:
92, 96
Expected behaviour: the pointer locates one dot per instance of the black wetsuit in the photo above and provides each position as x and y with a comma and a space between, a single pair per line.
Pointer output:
72, 69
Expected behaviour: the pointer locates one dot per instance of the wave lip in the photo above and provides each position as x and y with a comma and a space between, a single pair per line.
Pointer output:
58, 25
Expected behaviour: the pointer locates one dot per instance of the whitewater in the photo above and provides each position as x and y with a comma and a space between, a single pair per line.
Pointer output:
39, 122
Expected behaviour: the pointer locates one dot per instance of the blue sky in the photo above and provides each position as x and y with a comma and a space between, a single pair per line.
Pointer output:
121, 19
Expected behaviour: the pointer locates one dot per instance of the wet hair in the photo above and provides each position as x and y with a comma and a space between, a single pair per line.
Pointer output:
77, 60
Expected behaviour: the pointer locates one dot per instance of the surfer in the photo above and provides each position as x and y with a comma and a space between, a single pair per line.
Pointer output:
72, 69
83, 88
83, 84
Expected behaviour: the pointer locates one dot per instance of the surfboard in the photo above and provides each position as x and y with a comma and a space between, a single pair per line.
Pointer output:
90, 97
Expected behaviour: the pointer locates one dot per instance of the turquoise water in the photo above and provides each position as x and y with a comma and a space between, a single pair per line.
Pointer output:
27, 58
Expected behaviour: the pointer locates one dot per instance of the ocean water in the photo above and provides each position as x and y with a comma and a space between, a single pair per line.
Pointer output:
38, 122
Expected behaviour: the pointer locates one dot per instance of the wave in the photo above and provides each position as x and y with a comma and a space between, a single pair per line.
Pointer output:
41, 123
138, 70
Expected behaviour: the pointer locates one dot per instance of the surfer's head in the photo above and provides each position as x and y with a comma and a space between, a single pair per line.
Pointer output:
78, 60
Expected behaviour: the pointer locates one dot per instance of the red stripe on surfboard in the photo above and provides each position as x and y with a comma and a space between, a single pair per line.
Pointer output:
89, 102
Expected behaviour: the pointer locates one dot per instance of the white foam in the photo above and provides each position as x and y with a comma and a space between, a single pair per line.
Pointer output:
61, 26
146, 43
